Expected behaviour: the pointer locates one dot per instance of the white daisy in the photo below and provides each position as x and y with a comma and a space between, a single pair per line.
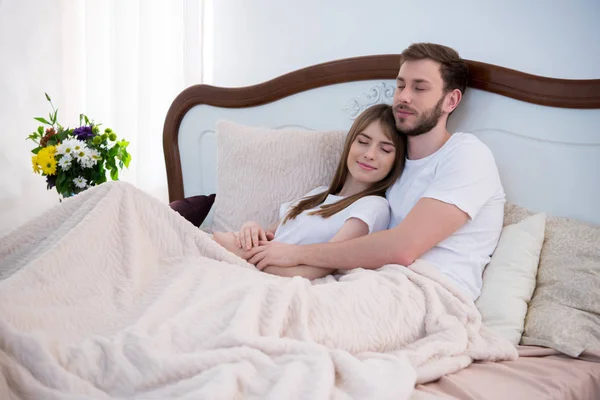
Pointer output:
65, 162
78, 146
89, 157
87, 162
80, 182
81, 154
95, 154
67, 147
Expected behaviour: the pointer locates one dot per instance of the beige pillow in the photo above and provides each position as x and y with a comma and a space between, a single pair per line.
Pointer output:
509, 278
514, 214
564, 313
259, 169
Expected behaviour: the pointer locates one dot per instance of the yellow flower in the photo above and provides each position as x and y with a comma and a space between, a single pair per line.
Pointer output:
36, 167
45, 153
45, 158
49, 166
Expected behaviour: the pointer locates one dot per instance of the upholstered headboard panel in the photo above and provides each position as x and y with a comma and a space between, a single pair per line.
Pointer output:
544, 132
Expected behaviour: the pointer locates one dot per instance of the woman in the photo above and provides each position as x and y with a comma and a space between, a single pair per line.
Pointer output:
353, 205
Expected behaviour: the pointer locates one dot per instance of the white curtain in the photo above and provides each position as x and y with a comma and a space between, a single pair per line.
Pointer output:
124, 61
121, 62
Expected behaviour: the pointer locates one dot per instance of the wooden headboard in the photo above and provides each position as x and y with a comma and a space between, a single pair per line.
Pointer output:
530, 102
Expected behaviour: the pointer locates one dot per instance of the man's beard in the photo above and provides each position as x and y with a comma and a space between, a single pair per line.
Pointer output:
425, 123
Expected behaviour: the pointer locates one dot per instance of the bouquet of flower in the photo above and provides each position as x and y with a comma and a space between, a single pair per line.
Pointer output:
73, 160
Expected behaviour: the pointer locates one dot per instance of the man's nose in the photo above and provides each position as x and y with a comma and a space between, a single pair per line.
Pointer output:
402, 96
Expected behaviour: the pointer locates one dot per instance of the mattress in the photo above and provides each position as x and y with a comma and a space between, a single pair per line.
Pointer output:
539, 373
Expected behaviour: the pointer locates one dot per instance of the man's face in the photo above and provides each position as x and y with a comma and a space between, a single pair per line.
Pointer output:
419, 97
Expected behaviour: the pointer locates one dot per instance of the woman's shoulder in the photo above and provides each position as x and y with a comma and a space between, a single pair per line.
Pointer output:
372, 201
316, 190
373, 210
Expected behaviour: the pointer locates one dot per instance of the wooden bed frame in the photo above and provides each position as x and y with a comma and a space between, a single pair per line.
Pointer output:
562, 93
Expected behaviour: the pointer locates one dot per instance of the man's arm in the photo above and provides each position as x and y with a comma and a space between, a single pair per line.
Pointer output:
428, 223
352, 228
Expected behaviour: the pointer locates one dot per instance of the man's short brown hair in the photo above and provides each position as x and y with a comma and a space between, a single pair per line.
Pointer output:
454, 70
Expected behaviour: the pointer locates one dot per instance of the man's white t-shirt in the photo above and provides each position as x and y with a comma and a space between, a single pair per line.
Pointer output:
310, 229
462, 172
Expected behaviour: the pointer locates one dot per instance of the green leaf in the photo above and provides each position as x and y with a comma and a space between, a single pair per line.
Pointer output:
53, 140
47, 97
60, 181
62, 135
42, 120
36, 150
114, 174
110, 164
127, 159
101, 176
114, 151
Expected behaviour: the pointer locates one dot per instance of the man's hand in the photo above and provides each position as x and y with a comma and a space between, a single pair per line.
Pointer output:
273, 254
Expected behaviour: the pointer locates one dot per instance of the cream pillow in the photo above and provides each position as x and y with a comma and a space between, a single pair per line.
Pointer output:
510, 277
258, 169
564, 312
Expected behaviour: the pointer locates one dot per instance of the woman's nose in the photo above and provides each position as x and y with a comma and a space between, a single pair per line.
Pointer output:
370, 154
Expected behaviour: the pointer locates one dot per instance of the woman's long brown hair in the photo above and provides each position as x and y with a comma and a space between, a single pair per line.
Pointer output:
379, 112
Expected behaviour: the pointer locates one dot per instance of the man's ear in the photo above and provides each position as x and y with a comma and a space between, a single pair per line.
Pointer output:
452, 101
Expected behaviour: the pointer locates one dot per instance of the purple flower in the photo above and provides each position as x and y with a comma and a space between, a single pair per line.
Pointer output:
84, 133
51, 181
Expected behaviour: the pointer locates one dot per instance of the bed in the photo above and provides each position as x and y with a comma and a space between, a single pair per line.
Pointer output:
542, 131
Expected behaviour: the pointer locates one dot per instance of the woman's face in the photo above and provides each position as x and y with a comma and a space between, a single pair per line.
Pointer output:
372, 155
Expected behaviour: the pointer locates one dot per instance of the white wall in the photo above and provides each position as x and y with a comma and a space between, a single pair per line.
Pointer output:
260, 39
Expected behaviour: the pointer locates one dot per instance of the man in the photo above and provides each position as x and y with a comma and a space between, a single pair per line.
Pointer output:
448, 205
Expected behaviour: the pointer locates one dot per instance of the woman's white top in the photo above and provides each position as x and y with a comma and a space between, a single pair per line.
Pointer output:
308, 229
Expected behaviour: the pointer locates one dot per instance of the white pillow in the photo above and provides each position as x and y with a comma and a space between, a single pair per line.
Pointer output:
258, 169
510, 278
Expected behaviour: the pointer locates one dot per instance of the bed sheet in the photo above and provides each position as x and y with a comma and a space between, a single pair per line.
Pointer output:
539, 373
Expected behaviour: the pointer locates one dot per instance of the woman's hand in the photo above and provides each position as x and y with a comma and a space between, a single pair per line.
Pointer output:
251, 234
274, 254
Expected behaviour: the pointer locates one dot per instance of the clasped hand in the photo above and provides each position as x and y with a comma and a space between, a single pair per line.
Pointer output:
251, 234
272, 254
260, 250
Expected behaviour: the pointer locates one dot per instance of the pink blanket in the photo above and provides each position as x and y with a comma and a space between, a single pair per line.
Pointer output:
112, 294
